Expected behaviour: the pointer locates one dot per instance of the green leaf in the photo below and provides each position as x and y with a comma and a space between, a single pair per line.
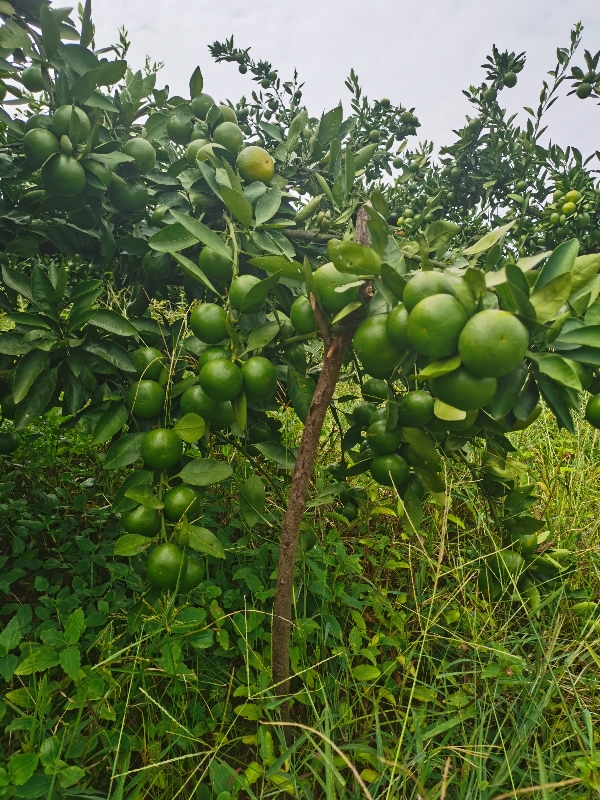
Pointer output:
258, 294
22, 766
144, 495
584, 269
68, 776
277, 453
392, 280
190, 428
550, 298
193, 271
17, 281
363, 156
111, 352
352, 258
50, 751
74, 626
240, 410
588, 335
365, 673
346, 311
289, 269
203, 541
252, 500
240, 207
202, 234
50, 30
124, 451
422, 443
112, 72
268, 205
444, 411
172, 238
113, 323
28, 369
37, 399
440, 233
13, 37
262, 335
196, 83
329, 125
43, 293
111, 422
205, 471
437, 368
10, 637
83, 88
40, 659
79, 58
558, 369
70, 661
559, 401
132, 544
489, 240
301, 390
560, 263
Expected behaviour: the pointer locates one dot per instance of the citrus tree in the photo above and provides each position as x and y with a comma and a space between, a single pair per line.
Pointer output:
450, 295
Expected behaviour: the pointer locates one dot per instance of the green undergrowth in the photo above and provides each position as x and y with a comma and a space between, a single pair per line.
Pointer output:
408, 684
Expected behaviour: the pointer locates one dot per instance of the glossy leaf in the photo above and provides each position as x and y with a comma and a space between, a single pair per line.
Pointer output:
204, 541
144, 495
113, 323
124, 451
561, 262
111, 352
239, 206
202, 234
550, 298
28, 369
252, 501
289, 269
190, 428
268, 205
258, 294
172, 239
38, 397
193, 271
277, 453
301, 390
110, 423
132, 544
205, 472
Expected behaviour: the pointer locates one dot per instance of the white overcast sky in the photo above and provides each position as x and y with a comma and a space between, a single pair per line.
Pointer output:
419, 53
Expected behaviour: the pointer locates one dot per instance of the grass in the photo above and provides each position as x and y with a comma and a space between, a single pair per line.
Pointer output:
408, 684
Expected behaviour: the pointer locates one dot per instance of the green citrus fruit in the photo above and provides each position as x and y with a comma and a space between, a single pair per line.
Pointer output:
461, 389
179, 130
397, 327
195, 400
362, 413
144, 154
238, 290
192, 149
8, 406
142, 520
224, 417
260, 379
32, 79
157, 265
507, 565
129, 198
9, 442
166, 565
569, 208
208, 321
374, 389
374, 349
493, 343
194, 574
302, 316
38, 121
61, 123
201, 105
146, 399
161, 448
350, 511
228, 114
221, 379
327, 279
573, 196
215, 266
255, 164
584, 90
39, 144
382, 441
415, 409
374, 135
148, 362
434, 325
64, 175
422, 285
592, 411
211, 354
180, 500
229, 135
389, 470
510, 80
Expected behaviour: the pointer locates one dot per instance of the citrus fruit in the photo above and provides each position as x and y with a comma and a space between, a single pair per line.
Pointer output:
228, 114
161, 448
260, 379
166, 565
493, 343
9, 442
146, 399
195, 400
211, 354
229, 135
584, 90
32, 79
327, 279
221, 379
178, 501
64, 175
194, 573
389, 470
382, 441
506, 565
148, 362
510, 80
422, 285
8, 406
39, 144
396, 325
38, 121
157, 265
350, 511
362, 413
434, 325
238, 290
346, 496
192, 149
415, 409
224, 417
374, 389
568, 209
201, 105
302, 316
592, 411
461, 389
179, 130
573, 196
130, 197
255, 164
209, 322
144, 154
142, 520
215, 266
61, 123
374, 135
374, 349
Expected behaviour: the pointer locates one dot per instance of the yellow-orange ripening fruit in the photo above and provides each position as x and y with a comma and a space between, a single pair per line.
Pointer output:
255, 164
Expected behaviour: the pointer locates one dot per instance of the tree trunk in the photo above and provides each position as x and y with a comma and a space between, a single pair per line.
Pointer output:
335, 350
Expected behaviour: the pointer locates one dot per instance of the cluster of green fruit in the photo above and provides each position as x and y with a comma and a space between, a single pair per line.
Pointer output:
572, 208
